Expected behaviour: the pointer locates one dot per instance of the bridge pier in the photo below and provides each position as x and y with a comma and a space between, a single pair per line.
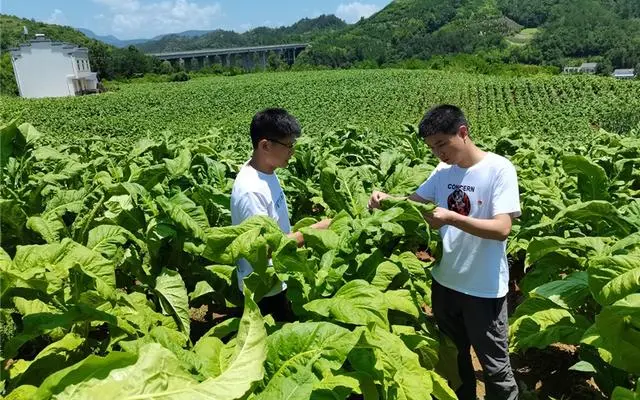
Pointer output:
263, 60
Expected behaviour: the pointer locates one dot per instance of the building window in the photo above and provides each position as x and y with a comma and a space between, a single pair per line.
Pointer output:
78, 62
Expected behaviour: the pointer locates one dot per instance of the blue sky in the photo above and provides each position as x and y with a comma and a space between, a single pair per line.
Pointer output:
132, 19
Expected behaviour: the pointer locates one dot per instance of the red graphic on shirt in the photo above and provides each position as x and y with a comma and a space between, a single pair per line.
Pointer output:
459, 202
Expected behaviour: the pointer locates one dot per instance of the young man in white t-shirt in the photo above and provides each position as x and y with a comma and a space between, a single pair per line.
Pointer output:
477, 196
257, 191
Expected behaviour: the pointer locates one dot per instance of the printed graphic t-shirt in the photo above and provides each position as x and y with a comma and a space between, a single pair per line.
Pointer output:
470, 264
257, 193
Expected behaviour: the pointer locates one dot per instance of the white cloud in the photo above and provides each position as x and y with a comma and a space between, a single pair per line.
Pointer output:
352, 12
245, 27
57, 17
132, 18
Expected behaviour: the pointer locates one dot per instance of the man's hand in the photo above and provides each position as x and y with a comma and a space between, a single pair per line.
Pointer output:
376, 198
440, 217
496, 228
324, 224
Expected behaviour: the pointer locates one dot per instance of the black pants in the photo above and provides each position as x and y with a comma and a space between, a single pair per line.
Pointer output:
481, 323
278, 306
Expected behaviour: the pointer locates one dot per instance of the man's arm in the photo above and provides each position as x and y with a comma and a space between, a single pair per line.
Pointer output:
496, 228
299, 238
377, 197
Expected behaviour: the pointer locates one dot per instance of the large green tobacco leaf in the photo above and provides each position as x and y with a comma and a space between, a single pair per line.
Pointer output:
322, 345
404, 301
616, 334
62, 257
186, 214
158, 375
92, 367
5, 260
603, 216
24, 392
213, 356
11, 140
595, 212
569, 292
321, 240
413, 211
49, 227
67, 201
339, 387
539, 322
342, 191
407, 179
37, 324
106, 239
621, 393
614, 277
227, 244
593, 182
398, 368
56, 355
540, 247
357, 303
179, 165
171, 290
297, 385
123, 211
155, 375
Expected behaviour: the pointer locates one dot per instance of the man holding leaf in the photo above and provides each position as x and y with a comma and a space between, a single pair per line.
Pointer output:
257, 191
476, 194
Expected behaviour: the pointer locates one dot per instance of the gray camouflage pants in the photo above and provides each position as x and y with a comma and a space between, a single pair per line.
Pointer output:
481, 323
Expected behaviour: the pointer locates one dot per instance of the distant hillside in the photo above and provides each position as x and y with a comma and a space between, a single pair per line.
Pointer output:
603, 30
114, 41
305, 30
543, 32
13, 32
110, 39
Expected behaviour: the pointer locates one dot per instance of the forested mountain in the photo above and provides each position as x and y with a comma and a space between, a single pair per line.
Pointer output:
305, 30
550, 32
544, 32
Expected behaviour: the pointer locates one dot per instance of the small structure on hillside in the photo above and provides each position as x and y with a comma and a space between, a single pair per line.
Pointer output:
624, 73
589, 68
52, 69
585, 68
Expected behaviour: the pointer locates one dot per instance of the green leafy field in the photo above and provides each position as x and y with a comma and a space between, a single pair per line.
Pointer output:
111, 242
556, 108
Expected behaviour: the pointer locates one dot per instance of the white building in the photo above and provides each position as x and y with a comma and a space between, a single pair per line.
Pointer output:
52, 69
585, 68
624, 73
589, 68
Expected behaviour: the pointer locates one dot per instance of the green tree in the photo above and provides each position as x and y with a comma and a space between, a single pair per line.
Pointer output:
166, 67
605, 67
275, 62
8, 85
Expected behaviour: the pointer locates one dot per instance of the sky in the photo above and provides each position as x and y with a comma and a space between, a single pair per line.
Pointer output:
142, 19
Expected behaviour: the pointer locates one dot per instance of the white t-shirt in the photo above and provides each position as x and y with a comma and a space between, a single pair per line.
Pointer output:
470, 264
257, 193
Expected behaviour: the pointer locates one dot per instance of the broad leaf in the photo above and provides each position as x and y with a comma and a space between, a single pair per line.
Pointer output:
356, 303
539, 322
173, 294
304, 345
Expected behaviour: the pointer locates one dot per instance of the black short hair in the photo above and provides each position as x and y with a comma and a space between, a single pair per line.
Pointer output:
444, 118
273, 123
